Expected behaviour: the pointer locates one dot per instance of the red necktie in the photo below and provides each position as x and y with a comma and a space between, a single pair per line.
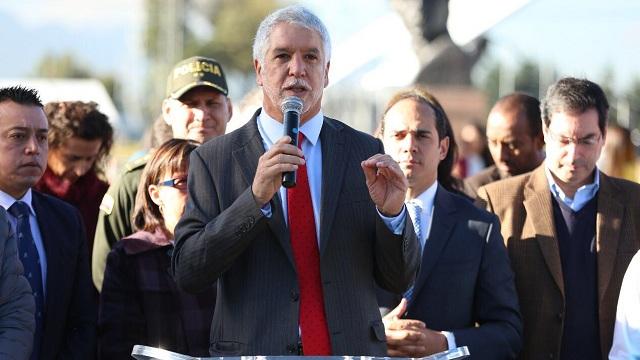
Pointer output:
302, 230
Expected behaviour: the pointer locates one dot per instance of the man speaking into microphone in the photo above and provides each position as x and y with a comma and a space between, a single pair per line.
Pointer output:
296, 266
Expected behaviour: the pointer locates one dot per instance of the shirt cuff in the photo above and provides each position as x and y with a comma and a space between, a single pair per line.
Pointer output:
451, 339
266, 209
396, 223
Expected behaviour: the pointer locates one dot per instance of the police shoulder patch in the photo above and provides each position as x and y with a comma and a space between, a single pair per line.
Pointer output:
107, 204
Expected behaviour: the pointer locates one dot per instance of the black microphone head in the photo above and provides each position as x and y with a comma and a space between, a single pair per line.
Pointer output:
291, 103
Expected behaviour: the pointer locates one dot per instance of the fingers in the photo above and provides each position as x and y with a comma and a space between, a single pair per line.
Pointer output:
397, 312
407, 324
381, 164
281, 157
399, 337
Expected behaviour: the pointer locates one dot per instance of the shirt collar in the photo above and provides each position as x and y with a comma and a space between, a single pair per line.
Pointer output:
583, 195
426, 199
273, 129
7, 200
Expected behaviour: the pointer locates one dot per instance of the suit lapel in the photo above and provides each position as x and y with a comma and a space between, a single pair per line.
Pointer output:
55, 256
333, 167
608, 228
246, 152
441, 226
539, 223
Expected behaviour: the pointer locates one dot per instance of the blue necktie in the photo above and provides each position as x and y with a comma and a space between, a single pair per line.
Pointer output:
415, 212
31, 263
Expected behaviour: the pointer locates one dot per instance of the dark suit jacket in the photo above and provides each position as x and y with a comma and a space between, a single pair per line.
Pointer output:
71, 306
484, 177
223, 235
524, 206
141, 303
466, 279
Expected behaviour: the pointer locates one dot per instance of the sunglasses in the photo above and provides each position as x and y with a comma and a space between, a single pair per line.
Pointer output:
178, 183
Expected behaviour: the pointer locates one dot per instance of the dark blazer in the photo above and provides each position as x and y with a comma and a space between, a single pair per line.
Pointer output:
466, 279
524, 206
484, 177
70, 306
223, 235
141, 303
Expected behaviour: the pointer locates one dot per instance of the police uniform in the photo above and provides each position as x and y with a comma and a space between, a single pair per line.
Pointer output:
114, 220
116, 209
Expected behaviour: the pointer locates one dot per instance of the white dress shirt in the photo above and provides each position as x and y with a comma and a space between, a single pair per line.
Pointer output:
426, 201
271, 130
6, 201
626, 334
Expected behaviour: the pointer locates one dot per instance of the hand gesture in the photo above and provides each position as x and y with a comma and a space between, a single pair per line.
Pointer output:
410, 338
282, 157
386, 182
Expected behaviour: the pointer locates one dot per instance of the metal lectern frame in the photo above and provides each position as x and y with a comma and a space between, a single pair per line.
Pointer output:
141, 352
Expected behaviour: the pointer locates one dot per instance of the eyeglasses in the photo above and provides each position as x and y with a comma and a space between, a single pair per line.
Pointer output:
178, 183
590, 140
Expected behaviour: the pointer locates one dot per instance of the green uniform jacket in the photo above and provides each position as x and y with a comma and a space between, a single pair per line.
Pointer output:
114, 220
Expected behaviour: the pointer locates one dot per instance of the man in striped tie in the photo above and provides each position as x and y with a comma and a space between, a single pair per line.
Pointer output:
464, 294
50, 234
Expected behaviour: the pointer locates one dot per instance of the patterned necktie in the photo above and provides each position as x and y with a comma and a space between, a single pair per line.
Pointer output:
415, 212
302, 230
31, 263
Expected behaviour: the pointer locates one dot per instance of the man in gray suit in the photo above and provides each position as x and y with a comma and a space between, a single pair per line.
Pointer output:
296, 268
17, 307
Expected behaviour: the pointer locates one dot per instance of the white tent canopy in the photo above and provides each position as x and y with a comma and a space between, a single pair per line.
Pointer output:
71, 90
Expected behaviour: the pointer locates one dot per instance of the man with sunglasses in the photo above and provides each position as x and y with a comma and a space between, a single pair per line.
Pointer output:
197, 107
570, 230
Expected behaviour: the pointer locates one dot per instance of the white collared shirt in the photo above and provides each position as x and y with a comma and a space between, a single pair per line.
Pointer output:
583, 195
6, 201
271, 130
426, 202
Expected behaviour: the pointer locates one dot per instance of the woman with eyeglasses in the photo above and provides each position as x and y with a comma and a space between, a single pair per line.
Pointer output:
140, 302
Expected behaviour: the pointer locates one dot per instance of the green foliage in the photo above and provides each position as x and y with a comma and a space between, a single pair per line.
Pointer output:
235, 23
528, 78
61, 66
633, 96
70, 67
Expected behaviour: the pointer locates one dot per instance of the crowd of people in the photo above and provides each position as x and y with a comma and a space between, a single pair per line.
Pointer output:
387, 245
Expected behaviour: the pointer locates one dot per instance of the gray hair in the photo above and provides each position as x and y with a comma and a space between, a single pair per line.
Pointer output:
294, 14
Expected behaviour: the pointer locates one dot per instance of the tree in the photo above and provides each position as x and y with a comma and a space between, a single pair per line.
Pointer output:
170, 35
528, 78
68, 66
633, 97
61, 66
235, 24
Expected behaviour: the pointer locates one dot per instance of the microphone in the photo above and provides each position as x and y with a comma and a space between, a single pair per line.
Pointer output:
291, 108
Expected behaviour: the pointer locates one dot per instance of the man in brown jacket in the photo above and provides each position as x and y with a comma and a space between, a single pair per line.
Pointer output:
514, 137
570, 230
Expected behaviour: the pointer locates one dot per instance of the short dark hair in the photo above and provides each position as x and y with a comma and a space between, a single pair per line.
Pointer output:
575, 96
20, 95
443, 127
526, 105
79, 119
172, 156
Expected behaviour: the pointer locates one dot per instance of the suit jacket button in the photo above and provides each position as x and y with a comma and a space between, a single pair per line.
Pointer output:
560, 316
294, 295
292, 349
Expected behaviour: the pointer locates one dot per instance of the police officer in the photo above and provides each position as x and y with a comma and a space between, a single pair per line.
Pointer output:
196, 108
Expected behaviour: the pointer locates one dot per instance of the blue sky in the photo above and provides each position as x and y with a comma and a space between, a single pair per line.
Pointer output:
578, 37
